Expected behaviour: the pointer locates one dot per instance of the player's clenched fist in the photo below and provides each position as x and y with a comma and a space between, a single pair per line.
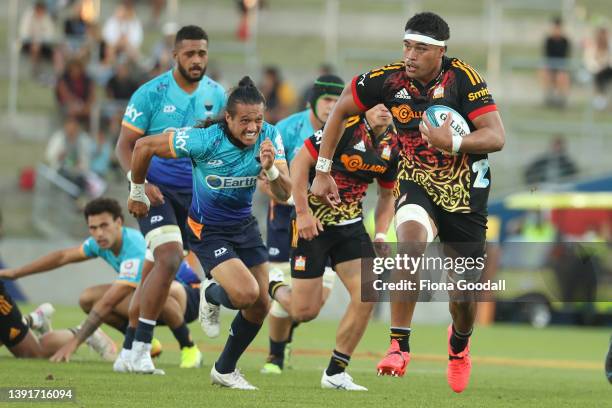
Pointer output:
267, 153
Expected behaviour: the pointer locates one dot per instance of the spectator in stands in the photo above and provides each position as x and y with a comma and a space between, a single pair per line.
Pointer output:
68, 152
37, 35
598, 60
280, 95
122, 33
75, 31
555, 75
75, 91
552, 166
247, 9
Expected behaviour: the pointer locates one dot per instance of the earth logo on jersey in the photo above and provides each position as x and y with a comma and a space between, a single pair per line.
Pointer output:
218, 182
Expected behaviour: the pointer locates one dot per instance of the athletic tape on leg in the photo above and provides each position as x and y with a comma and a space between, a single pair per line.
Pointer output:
163, 235
329, 277
414, 212
277, 310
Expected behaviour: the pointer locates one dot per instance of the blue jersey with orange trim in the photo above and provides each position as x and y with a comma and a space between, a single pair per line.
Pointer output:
161, 105
128, 264
225, 175
294, 129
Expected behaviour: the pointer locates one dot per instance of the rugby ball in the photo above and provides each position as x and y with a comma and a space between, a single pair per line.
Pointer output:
437, 114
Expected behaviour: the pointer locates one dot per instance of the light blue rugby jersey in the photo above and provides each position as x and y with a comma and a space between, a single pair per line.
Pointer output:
294, 129
161, 105
225, 175
128, 264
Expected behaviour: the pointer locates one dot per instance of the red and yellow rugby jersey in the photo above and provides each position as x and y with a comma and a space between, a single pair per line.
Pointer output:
456, 183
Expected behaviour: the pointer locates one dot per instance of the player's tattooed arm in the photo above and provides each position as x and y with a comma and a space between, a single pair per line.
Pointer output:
89, 326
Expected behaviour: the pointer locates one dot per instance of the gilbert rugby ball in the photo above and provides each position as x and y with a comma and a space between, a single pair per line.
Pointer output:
437, 114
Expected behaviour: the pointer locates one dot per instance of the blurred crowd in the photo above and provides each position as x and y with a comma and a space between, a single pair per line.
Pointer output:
93, 65
558, 72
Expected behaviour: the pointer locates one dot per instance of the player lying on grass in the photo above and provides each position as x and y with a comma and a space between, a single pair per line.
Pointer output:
121, 247
368, 151
18, 333
227, 157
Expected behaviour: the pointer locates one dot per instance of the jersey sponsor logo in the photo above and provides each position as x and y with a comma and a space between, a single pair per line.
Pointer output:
472, 96
355, 162
215, 163
132, 113
129, 269
300, 263
180, 139
156, 218
218, 182
220, 252
402, 94
360, 146
273, 251
404, 113
169, 108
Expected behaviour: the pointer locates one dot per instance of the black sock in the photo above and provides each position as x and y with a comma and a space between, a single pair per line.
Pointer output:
337, 363
459, 341
216, 295
294, 326
273, 287
242, 333
129, 337
277, 352
181, 334
402, 335
144, 331
121, 329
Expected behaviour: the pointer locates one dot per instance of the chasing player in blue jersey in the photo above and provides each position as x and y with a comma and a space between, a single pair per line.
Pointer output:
294, 130
171, 101
123, 249
227, 157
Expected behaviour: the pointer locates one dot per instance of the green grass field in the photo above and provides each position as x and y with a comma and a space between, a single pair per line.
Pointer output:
513, 366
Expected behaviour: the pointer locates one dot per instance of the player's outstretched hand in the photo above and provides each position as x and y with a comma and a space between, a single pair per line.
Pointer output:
155, 195
8, 273
137, 208
308, 226
64, 353
325, 189
439, 137
266, 154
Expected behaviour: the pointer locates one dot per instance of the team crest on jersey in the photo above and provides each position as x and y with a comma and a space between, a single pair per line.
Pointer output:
169, 108
404, 113
300, 263
386, 153
438, 92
